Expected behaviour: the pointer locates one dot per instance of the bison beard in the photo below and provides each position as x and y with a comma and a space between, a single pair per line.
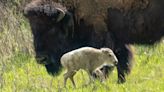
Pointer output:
50, 31
115, 27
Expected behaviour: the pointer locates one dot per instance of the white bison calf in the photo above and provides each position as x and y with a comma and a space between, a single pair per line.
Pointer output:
86, 58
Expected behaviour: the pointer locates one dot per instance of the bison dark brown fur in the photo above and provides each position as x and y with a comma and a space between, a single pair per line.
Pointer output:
112, 23
50, 36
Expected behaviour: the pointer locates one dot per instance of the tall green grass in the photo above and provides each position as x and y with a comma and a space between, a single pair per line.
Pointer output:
21, 73
15, 35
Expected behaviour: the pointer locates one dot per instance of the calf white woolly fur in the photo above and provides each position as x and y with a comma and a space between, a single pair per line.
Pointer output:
86, 58
105, 69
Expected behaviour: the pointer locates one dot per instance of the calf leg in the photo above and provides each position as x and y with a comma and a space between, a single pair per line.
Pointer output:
100, 74
72, 80
65, 78
107, 69
90, 76
69, 74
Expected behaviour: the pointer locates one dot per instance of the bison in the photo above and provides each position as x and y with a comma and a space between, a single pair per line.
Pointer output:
59, 26
86, 58
50, 23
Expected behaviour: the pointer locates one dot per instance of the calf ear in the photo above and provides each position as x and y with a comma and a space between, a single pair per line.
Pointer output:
104, 50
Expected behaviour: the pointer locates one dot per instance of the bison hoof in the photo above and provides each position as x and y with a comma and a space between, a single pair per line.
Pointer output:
121, 81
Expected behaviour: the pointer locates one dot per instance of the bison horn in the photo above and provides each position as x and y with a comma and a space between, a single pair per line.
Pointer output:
61, 14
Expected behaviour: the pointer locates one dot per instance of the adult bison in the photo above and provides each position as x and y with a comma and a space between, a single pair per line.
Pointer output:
50, 23
97, 23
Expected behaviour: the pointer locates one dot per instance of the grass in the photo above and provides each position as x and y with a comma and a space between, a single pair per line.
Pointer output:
21, 73
15, 33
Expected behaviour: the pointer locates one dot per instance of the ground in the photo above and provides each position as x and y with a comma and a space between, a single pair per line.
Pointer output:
21, 73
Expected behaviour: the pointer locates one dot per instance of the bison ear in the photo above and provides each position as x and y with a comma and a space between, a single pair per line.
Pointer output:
29, 12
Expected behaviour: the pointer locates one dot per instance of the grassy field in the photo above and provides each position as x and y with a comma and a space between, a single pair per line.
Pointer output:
21, 73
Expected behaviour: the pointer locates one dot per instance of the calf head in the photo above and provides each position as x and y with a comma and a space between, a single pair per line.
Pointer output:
109, 56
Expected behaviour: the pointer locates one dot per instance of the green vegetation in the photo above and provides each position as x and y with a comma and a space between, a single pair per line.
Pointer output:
19, 71
15, 35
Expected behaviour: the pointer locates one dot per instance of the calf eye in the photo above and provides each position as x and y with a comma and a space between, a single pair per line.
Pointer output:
110, 55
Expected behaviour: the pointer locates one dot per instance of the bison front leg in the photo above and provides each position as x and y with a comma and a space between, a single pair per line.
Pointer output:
124, 56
